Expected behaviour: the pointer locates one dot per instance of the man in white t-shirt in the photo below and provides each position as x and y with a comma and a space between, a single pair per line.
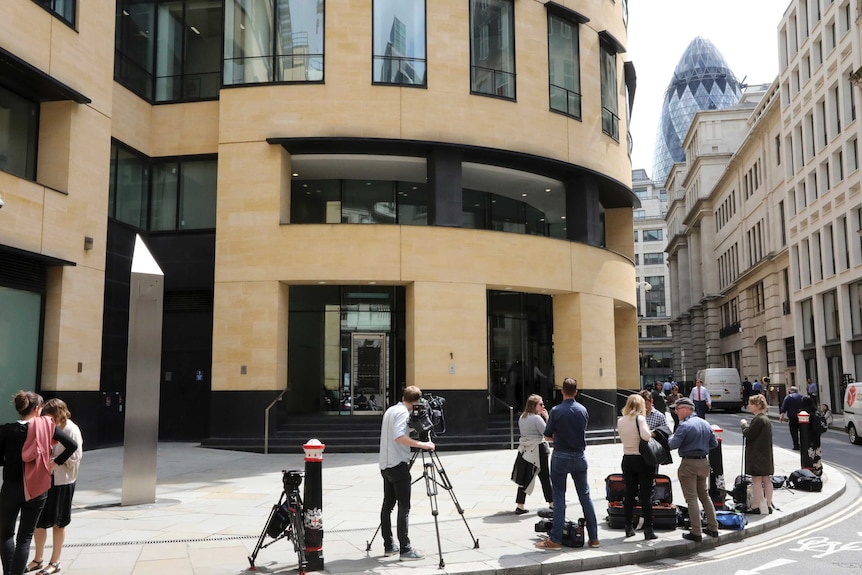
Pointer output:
395, 444
700, 396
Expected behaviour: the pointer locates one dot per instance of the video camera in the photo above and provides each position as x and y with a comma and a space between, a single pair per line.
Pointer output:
427, 418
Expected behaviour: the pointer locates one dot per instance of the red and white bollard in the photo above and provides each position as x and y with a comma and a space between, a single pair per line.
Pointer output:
805, 459
312, 506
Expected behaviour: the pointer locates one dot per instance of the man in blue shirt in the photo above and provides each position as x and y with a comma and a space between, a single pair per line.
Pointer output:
693, 437
790, 408
567, 428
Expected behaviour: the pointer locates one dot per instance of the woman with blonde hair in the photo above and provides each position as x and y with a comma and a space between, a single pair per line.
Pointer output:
637, 473
57, 512
758, 455
533, 451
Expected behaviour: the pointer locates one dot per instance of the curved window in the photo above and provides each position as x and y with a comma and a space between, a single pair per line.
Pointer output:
351, 201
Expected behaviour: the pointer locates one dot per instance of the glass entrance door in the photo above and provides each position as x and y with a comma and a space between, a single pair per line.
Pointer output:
369, 373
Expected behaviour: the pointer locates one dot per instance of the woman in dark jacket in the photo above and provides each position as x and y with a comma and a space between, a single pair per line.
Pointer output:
14, 552
758, 455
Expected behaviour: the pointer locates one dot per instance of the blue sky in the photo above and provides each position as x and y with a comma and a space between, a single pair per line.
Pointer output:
744, 31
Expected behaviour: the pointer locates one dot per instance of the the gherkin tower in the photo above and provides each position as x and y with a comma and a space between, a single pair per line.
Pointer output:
702, 80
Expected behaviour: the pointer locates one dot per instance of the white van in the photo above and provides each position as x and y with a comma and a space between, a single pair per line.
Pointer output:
724, 387
853, 412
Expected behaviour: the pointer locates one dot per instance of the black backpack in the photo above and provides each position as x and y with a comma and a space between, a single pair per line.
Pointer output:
804, 480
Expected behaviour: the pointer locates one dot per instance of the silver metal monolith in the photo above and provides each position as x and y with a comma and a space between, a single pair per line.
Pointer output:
146, 297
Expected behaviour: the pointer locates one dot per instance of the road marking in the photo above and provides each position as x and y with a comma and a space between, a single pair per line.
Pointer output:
770, 565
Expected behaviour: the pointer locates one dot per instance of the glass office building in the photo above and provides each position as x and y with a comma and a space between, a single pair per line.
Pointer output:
702, 80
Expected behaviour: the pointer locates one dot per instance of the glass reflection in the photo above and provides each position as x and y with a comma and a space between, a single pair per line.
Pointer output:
273, 41
492, 47
399, 42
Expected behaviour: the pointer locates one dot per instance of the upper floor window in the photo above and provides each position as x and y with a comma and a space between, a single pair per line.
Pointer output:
19, 134
492, 48
655, 235
162, 195
273, 41
399, 42
653, 258
169, 51
564, 69
65, 9
608, 70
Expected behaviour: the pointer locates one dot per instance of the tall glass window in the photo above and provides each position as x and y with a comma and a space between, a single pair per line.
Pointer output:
128, 188
19, 134
273, 41
831, 321
564, 70
65, 9
399, 42
169, 50
610, 108
655, 298
856, 308
492, 48
807, 322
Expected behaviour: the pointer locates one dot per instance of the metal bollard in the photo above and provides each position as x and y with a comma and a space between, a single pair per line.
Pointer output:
312, 504
806, 460
717, 485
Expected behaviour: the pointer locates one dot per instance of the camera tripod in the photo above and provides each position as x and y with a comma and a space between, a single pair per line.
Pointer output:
285, 521
435, 476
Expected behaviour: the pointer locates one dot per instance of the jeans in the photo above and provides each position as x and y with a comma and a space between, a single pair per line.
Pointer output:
396, 489
693, 477
574, 464
14, 552
639, 477
544, 478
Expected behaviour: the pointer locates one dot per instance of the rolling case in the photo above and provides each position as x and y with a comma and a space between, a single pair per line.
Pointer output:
663, 509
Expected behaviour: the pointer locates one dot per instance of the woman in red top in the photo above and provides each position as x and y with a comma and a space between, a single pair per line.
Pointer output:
14, 552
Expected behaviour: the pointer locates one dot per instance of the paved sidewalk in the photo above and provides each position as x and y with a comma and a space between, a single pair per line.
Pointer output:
211, 506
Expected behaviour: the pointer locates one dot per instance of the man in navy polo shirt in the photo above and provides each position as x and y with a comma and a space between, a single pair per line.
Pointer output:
567, 428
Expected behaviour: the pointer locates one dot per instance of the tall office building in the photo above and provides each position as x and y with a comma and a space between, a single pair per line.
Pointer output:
650, 234
702, 80
327, 231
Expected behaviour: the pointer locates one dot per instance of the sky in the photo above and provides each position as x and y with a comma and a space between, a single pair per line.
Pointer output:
659, 31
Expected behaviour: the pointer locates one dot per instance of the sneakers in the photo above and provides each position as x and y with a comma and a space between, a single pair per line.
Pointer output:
411, 555
548, 545
390, 551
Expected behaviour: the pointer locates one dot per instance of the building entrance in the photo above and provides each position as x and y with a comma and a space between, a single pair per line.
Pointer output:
367, 384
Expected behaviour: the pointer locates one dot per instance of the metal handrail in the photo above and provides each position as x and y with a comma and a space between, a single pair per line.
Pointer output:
609, 404
511, 418
266, 421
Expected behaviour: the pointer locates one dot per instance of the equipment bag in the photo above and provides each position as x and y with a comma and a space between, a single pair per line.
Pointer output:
278, 522
573, 533
778, 481
731, 520
804, 480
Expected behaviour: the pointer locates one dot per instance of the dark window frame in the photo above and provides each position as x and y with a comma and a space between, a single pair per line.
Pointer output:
513, 74
376, 57
562, 14
51, 6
